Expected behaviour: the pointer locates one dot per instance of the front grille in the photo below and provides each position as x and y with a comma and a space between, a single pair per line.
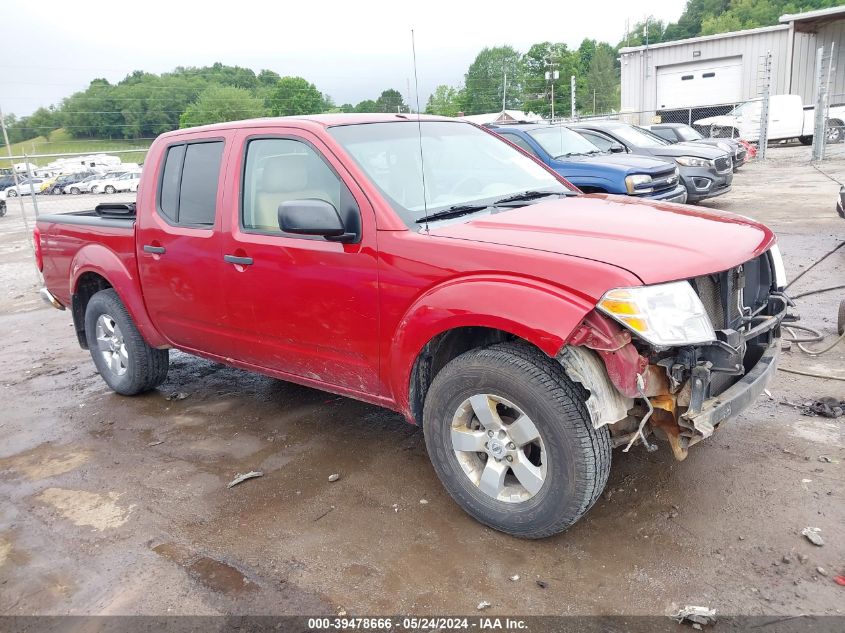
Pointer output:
723, 163
729, 296
664, 181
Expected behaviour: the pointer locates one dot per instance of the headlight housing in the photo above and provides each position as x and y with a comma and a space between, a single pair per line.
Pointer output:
692, 161
777, 264
637, 183
663, 314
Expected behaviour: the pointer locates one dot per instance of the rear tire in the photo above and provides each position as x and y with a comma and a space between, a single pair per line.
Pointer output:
543, 486
11, 193
75, 191
109, 189
122, 357
805, 140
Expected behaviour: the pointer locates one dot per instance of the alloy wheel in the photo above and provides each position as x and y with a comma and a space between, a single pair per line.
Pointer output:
111, 345
499, 448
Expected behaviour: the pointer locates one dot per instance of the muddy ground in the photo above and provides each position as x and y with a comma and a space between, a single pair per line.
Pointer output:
113, 505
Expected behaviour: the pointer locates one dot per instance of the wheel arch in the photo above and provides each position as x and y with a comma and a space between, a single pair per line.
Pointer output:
96, 268
458, 316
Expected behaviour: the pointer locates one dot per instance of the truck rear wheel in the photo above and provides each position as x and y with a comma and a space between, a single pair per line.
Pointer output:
512, 441
835, 132
122, 357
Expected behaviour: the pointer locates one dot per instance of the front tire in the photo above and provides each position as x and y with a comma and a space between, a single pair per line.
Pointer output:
835, 132
122, 357
805, 140
109, 189
75, 191
511, 440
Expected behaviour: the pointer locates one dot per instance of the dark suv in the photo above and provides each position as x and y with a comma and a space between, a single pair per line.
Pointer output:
705, 171
683, 133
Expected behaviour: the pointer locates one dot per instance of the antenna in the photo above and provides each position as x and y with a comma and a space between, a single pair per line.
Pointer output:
419, 130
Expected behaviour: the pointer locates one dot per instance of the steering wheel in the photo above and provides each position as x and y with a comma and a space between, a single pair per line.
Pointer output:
462, 186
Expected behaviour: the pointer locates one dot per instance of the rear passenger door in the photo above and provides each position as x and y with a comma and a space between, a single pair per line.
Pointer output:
178, 243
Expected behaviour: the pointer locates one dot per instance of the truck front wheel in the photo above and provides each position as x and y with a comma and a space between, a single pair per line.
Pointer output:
511, 440
122, 357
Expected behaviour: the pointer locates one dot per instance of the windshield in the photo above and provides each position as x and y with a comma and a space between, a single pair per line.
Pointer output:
686, 133
463, 165
560, 142
637, 137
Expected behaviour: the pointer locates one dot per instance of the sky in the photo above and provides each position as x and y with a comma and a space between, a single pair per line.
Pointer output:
350, 50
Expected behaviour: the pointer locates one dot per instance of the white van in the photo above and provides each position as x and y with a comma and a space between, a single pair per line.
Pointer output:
788, 118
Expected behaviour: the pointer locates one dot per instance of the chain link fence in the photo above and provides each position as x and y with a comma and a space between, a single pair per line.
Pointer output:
33, 185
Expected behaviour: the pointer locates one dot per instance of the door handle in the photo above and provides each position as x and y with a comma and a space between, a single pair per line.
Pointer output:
156, 250
234, 259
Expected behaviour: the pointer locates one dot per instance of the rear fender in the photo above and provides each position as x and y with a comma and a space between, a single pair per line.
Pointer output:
95, 258
542, 314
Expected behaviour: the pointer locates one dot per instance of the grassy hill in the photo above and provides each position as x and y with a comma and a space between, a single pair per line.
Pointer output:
60, 142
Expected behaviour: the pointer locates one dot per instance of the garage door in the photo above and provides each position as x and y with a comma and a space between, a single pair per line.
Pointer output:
701, 83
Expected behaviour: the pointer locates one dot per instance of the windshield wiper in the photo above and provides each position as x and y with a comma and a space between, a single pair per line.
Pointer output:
529, 195
453, 212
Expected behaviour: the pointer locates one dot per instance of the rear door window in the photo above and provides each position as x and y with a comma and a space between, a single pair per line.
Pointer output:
189, 182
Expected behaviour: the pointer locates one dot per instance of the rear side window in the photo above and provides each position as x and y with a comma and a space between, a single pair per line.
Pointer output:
188, 194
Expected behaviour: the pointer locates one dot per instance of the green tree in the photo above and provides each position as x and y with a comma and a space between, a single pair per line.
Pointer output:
600, 93
222, 103
367, 105
294, 96
484, 82
391, 101
445, 101
541, 58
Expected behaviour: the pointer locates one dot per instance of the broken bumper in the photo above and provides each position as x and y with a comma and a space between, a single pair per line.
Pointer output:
739, 396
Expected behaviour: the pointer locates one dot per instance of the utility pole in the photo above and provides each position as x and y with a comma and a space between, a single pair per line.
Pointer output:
505, 91
572, 91
551, 76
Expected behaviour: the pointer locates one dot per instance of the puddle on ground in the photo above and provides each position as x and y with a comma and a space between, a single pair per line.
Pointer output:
214, 574
87, 508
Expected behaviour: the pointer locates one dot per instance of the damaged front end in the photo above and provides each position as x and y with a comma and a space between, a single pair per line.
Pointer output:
681, 392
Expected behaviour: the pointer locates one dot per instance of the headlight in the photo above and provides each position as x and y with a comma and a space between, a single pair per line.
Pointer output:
780, 271
692, 161
663, 314
637, 182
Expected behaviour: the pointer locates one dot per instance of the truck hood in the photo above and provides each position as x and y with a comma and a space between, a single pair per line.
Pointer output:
719, 121
622, 163
657, 242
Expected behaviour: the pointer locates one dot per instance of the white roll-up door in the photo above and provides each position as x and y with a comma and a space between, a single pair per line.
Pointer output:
701, 83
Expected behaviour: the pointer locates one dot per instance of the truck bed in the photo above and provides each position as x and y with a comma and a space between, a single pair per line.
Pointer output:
66, 239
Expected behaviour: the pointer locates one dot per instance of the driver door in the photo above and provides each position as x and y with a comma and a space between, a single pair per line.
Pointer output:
296, 304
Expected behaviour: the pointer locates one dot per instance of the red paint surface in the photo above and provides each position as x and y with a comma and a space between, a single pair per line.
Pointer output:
352, 318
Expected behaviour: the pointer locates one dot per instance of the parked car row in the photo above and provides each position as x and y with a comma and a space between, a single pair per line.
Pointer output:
76, 183
668, 162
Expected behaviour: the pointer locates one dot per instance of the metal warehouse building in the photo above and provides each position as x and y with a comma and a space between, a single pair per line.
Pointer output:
728, 68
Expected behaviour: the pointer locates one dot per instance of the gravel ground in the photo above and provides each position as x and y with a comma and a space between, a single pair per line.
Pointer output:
115, 505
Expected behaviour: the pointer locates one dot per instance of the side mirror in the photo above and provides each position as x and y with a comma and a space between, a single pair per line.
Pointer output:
313, 217
617, 148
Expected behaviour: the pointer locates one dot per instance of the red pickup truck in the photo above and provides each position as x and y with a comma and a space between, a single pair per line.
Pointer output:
435, 269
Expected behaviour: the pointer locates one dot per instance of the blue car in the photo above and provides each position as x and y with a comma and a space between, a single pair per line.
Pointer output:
592, 170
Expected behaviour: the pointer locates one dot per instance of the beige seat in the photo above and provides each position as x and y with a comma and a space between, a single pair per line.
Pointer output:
289, 177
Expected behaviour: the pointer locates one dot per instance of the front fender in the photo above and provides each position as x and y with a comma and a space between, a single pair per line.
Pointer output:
540, 313
95, 258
